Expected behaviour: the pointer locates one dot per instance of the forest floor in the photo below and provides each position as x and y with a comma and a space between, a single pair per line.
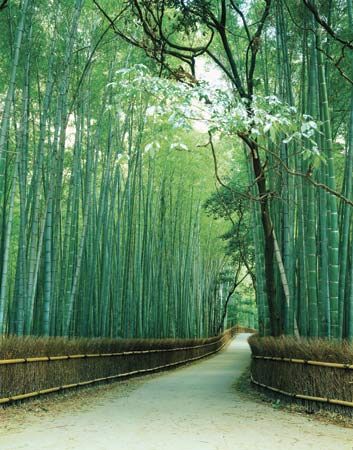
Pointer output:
191, 408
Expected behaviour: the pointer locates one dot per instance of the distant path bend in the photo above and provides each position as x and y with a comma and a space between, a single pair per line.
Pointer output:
191, 408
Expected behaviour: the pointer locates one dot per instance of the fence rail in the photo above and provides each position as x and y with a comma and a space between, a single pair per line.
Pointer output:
304, 361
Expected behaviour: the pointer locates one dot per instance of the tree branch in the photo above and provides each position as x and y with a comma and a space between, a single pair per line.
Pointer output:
3, 4
308, 177
218, 178
321, 21
229, 296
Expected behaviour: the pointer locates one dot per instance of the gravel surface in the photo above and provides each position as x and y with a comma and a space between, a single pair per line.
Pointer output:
191, 408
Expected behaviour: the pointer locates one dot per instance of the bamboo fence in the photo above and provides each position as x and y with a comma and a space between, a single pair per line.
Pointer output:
304, 362
123, 358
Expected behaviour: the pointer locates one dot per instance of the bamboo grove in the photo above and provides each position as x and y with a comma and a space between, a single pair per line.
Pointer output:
313, 225
299, 190
107, 204
100, 232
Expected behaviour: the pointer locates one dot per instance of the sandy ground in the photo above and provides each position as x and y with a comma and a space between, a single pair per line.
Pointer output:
191, 408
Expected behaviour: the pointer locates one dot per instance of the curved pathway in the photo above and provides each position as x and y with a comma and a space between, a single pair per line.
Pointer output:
191, 408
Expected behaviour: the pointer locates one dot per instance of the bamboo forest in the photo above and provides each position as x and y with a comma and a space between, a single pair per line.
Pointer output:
172, 168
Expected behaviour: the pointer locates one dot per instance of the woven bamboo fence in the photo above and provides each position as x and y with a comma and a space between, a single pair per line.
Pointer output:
316, 384
23, 378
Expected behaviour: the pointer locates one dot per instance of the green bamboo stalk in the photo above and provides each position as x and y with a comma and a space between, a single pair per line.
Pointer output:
333, 232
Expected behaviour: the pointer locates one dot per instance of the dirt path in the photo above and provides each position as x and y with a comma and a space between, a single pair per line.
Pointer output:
192, 408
